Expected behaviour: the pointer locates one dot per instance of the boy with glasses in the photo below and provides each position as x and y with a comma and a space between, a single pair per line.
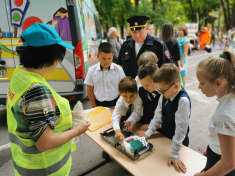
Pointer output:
172, 114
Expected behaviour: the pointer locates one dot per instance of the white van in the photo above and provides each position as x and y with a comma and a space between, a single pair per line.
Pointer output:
76, 22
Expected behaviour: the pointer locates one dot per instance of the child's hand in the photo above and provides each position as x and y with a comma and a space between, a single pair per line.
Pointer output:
128, 125
204, 154
143, 135
144, 127
179, 165
119, 136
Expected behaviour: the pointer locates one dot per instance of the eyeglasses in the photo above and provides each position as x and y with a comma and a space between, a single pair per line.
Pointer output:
163, 91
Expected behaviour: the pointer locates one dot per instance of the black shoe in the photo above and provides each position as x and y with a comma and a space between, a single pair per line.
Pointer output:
2, 62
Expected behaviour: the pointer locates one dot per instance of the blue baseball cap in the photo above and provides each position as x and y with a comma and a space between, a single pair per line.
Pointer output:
42, 35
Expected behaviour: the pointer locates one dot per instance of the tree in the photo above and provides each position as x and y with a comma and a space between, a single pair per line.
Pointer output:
228, 7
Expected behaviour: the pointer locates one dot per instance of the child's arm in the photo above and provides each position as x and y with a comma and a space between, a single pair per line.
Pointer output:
227, 162
185, 46
117, 114
137, 112
116, 118
91, 95
156, 122
90, 87
182, 123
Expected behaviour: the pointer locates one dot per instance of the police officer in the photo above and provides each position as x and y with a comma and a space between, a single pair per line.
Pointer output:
140, 42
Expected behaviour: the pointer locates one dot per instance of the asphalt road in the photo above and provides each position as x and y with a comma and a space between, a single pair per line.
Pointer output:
89, 154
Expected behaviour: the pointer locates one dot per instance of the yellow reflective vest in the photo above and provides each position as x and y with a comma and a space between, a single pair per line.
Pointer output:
27, 159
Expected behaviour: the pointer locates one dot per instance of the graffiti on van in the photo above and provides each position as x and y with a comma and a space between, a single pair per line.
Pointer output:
62, 25
18, 10
2, 47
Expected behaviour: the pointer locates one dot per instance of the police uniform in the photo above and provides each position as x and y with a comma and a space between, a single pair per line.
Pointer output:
127, 56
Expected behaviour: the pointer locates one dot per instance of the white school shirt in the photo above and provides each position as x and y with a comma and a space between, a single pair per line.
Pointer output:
105, 82
137, 47
138, 82
222, 121
122, 105
181, 122
135, 117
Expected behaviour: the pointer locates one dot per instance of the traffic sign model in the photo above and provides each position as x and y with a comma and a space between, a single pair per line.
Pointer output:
18, 10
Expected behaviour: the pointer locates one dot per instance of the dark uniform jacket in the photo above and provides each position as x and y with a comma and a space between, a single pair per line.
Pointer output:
127, 57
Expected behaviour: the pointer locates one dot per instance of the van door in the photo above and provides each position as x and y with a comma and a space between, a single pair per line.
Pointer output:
7, 51
24, 13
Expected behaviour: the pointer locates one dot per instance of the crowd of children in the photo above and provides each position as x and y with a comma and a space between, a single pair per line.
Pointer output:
155, 100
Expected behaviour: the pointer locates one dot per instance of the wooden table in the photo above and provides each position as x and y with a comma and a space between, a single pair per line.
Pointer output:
153, 162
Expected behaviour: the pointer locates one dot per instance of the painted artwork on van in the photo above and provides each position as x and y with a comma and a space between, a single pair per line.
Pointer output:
88, 30
15, 17
61, 24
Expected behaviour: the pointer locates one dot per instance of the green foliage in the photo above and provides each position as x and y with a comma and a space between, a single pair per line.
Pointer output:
115, 12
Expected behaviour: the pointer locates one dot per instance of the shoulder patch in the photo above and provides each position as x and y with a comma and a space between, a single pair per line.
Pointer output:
159, 40
167, 54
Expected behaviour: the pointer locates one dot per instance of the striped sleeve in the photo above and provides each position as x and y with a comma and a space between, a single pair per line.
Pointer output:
40, 110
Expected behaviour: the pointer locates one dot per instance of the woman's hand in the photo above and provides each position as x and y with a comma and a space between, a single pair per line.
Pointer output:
181, 64
82, 128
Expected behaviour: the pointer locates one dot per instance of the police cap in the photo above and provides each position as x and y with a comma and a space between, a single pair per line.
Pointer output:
137, 22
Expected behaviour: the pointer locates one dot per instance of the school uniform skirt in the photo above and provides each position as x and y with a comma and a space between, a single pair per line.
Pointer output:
212, 159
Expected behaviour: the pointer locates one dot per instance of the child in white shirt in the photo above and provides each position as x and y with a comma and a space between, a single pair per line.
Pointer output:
102, 79
171, 117
216, 76
125, 106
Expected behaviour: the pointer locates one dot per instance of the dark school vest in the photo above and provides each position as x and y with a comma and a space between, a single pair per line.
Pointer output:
149, 106
168, 116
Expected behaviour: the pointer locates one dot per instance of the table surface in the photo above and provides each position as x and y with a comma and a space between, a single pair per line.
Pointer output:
153, 162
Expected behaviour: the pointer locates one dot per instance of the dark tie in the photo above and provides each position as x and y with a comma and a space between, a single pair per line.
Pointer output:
168, 105
124, 118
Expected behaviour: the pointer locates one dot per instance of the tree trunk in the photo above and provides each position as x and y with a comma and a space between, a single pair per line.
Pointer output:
225, 14
155, 4
137, 3
192, 11
156, 29
107, 27
113, 22
212, 23
232, 22
205, 22
122, 24
199, 18
219, 16
228, 10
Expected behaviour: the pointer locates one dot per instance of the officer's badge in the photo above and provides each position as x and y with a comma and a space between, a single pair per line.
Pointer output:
167, 54
126, 53
159, 40
136, 24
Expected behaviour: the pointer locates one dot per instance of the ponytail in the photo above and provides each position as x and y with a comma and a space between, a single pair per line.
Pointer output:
222, 66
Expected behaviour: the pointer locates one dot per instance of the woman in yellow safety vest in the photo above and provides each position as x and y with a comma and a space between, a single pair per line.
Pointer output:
39, 120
